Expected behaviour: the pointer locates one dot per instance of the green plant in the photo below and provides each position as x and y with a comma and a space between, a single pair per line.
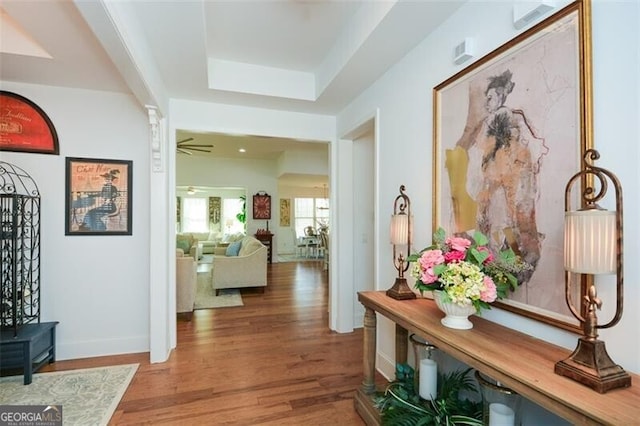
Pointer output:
399, 405
242, 216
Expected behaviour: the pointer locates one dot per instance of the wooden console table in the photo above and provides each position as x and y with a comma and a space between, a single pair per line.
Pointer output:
521, 362
267, 240
30, 349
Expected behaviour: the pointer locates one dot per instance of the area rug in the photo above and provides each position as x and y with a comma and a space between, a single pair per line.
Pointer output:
206, 298
206, 258
283, 258
88, 396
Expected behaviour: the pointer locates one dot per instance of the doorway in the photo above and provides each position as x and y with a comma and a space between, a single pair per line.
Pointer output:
364, 175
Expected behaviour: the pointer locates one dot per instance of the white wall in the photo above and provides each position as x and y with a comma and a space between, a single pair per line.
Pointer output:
97, 287
404, 98
252, 121
304, 162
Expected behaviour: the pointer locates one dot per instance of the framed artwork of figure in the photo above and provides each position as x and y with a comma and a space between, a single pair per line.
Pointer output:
98, 196
507, 129
285, 212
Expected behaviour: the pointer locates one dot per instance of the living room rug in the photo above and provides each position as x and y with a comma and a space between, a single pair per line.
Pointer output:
206, 258
282, 258
206, 298
88, 396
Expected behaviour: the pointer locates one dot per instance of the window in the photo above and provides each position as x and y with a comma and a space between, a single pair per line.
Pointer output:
310, 212
230, 209
194, 215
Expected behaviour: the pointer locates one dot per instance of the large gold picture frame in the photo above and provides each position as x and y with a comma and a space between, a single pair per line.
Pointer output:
509, 132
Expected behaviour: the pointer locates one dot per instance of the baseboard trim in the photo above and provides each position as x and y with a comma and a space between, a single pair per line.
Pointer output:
104, 347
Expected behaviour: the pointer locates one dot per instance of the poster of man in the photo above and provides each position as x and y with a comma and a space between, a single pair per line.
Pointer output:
507, 140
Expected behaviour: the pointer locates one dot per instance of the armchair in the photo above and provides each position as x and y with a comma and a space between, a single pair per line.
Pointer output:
186, 281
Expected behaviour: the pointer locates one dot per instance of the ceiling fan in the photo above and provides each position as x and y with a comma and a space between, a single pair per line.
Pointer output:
191, 190
183, 147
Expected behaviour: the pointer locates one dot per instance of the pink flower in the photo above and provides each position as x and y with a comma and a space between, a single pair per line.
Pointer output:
489, 293
454, 256
458, 243
431, 258
428, 276
489, 258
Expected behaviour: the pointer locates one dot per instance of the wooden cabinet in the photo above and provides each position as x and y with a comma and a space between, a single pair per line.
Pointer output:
267, 240
33, 346
521, 362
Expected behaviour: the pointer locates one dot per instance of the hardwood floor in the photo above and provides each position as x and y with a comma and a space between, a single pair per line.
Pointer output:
273, 361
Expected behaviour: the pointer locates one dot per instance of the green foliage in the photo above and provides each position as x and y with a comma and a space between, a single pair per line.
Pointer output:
242, 216
400, 405
439, 237
479, 256
479, 238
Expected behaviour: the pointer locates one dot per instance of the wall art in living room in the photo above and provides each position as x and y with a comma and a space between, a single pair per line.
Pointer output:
285, 212
25, 127
98, 196
262, 206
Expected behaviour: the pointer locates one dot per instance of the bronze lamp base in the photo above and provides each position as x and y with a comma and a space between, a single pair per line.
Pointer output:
591, 365
401, 290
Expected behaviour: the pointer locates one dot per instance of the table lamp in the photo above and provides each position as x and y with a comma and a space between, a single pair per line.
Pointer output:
592, 246
400, 230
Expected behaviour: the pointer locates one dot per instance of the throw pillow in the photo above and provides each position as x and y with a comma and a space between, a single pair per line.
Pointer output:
234, 248
184, 244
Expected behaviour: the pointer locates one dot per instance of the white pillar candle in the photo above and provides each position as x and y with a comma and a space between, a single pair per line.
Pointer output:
501, 415
428, 379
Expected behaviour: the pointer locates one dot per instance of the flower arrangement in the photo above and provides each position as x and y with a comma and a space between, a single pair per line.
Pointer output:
466, 271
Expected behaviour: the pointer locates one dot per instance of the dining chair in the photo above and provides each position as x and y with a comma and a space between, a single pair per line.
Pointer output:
324, 248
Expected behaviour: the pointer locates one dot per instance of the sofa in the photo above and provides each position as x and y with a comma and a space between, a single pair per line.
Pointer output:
241, 264
186, 282
198, 243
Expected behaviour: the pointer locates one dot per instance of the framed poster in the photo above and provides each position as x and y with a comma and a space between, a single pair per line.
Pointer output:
215, 210
509, 132
285, 212
262, 206
25, 127
98, 196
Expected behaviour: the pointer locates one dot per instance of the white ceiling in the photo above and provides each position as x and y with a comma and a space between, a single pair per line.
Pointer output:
311, 56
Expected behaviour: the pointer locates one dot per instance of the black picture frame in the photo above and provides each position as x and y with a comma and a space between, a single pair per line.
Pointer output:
98, 196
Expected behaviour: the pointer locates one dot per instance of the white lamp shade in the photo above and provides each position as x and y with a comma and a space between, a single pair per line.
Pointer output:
399, 229
590, 241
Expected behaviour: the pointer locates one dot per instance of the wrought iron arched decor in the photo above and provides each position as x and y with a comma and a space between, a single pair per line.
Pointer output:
19, 248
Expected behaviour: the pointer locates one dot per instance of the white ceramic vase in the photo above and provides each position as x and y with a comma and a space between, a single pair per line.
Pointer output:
456, 316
